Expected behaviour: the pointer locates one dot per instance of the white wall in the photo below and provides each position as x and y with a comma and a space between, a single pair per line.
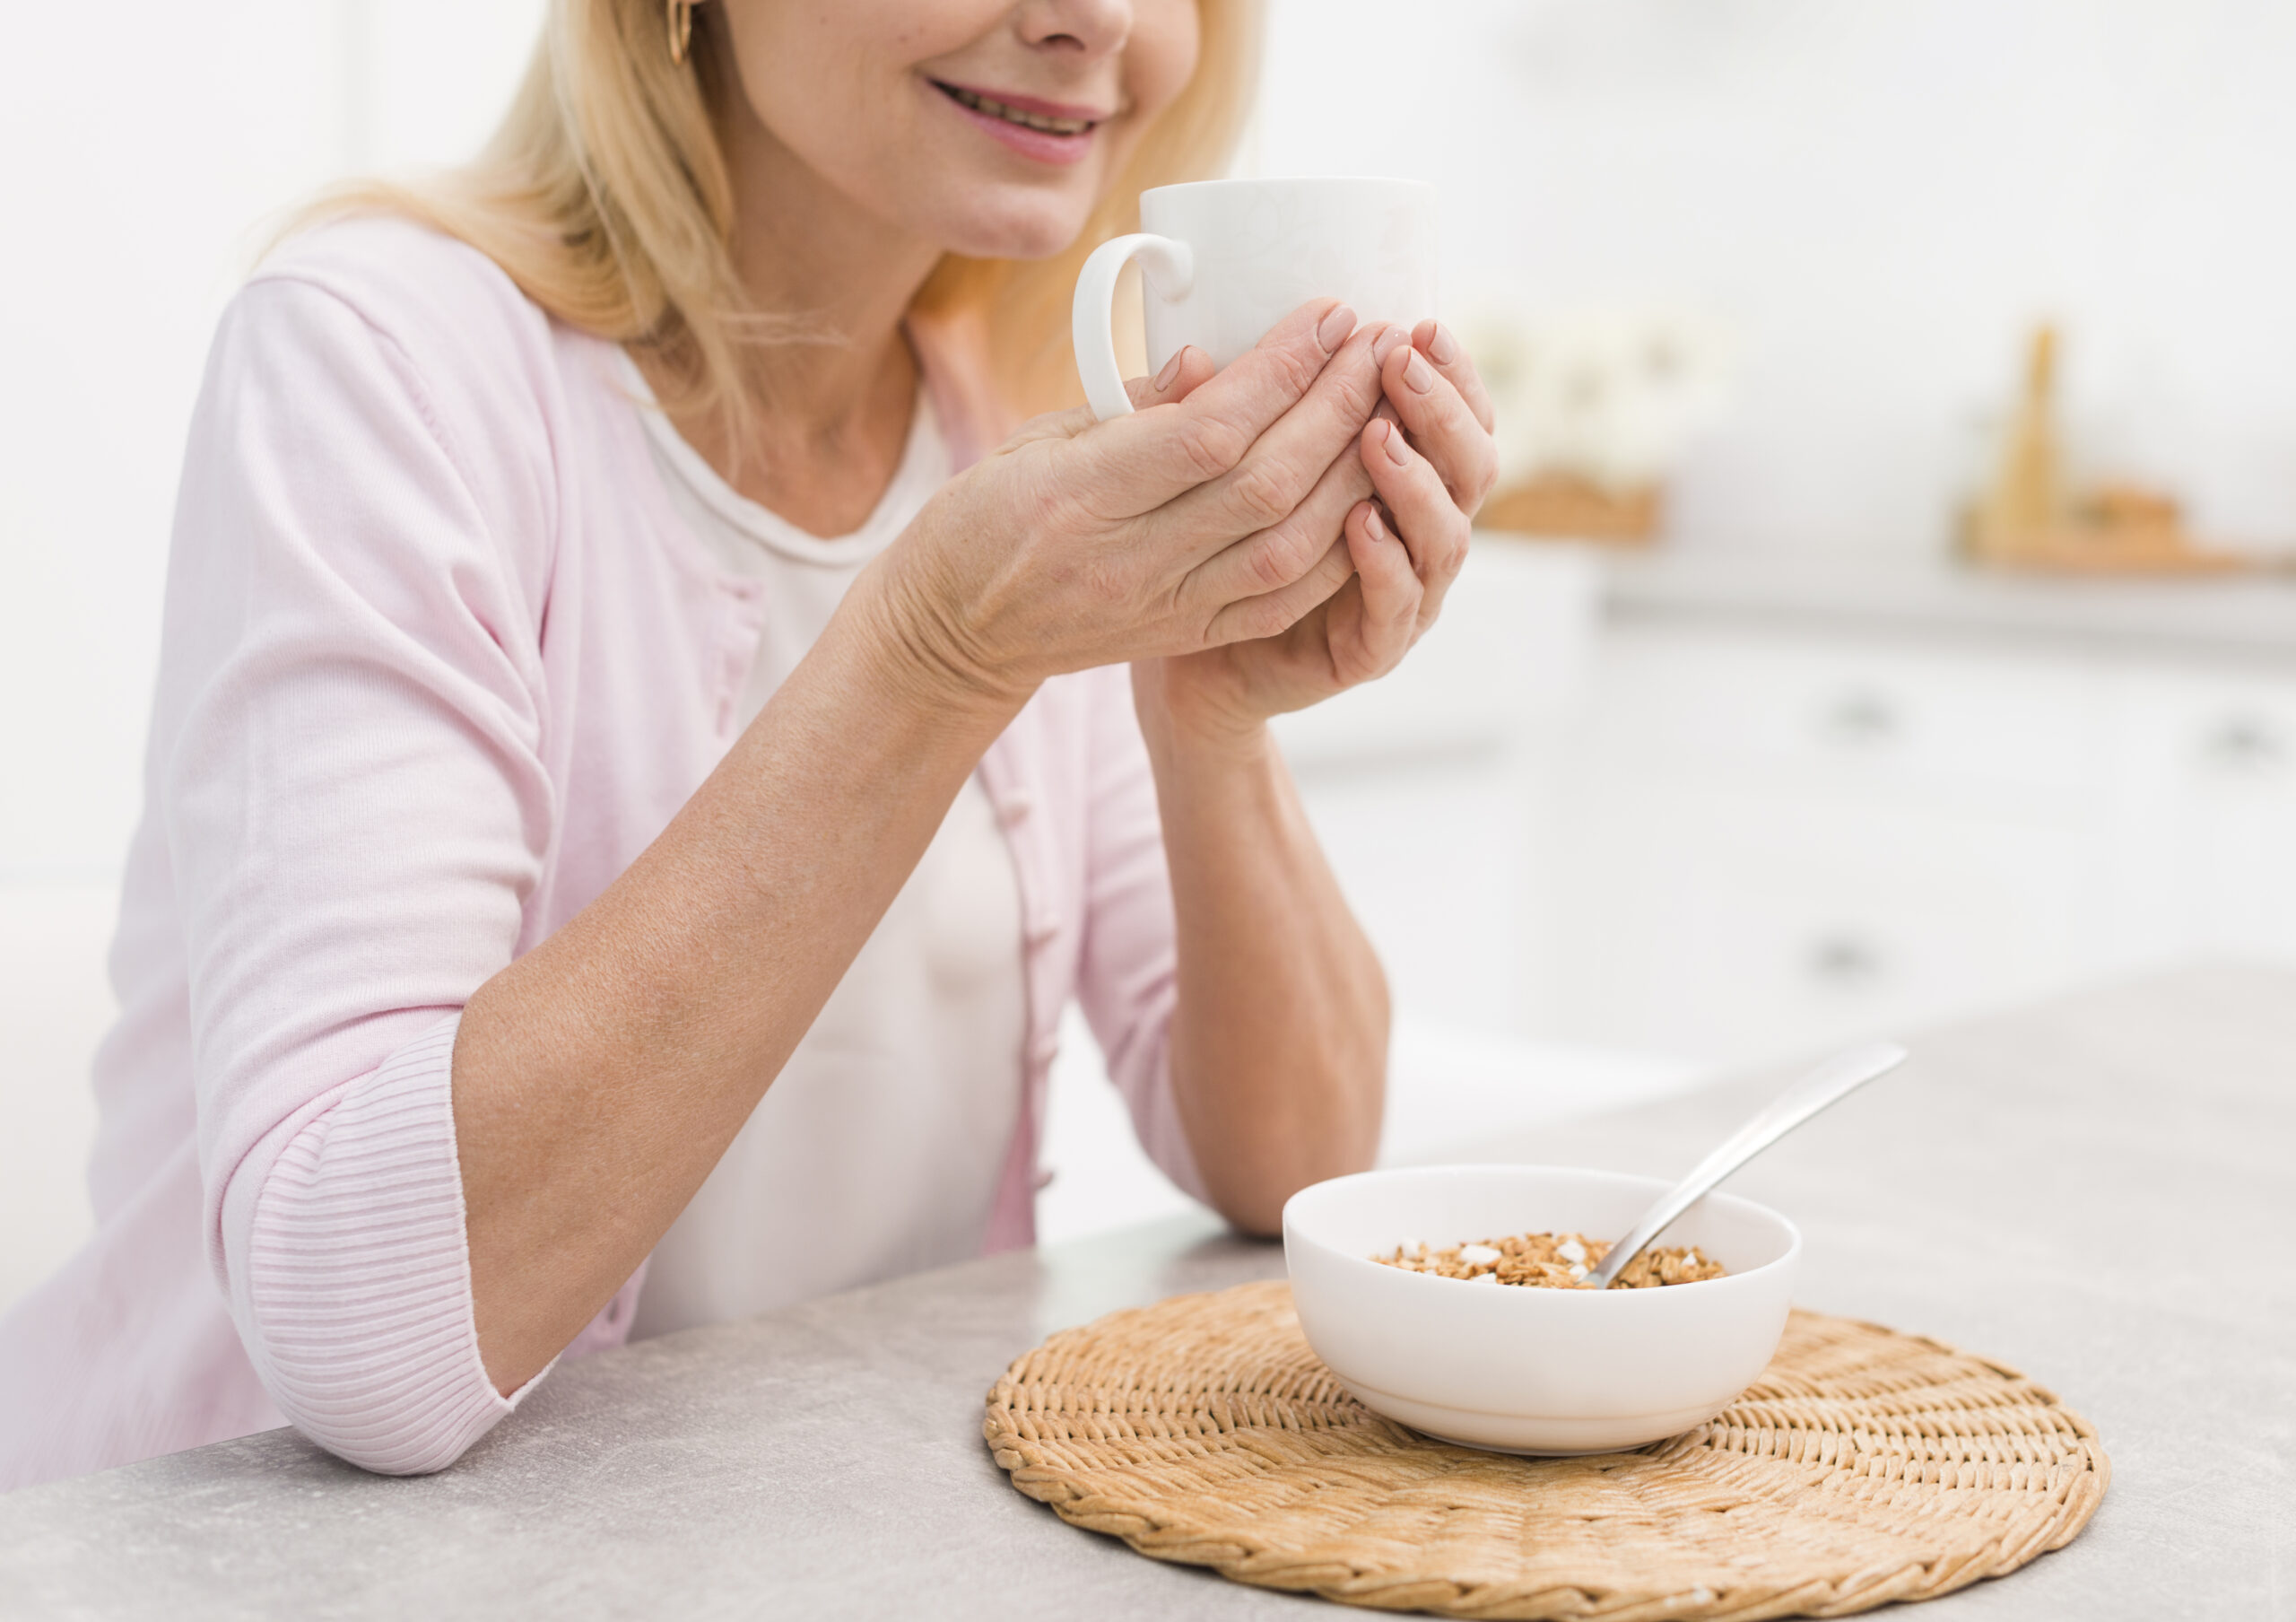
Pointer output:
145, 152
1881, 198
1879, 194
53, 1005
137, 151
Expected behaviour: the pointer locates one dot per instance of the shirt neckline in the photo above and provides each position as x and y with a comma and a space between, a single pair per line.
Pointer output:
922, 469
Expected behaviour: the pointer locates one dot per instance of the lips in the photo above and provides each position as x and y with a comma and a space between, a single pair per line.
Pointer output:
1050, 132
1026, 111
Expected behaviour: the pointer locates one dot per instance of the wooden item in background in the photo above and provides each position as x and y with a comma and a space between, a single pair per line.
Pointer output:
2029, 520
1565, 506
1864, 1466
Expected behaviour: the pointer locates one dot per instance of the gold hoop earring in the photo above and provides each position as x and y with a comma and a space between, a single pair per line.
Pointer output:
681, 22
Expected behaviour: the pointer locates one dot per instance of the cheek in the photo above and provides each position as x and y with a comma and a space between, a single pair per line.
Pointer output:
832, 79
786, 67
1161, 57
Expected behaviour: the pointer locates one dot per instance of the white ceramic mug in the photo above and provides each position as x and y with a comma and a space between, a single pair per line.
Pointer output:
1221, 261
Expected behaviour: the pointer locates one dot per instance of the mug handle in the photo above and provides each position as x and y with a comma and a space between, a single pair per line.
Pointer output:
1167, 266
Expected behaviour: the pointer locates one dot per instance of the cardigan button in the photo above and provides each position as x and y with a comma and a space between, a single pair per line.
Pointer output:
1015, 810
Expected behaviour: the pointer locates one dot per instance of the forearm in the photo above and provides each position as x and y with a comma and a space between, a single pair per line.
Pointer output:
1278, 1047
598, 1079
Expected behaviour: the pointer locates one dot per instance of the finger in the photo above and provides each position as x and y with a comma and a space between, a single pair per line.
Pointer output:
1273, 559
1430, 524
1139, 462
1180, 378
1441, 424
1393, 594
1273, 613
1288, 462
1052, 425
1441, 345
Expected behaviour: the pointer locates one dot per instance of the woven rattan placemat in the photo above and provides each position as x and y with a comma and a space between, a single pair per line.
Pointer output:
1864, 1465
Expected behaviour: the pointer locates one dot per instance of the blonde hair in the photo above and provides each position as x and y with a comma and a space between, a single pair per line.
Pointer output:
605, 195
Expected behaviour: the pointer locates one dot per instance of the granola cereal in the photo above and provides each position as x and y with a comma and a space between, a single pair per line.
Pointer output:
1552, 1261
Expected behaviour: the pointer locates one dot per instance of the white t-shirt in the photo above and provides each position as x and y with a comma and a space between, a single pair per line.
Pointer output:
878, 1149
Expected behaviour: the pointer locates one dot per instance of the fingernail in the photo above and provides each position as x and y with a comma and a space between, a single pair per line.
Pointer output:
1443, 345
1334, 328
1171, 369
1372, 527
1387, 344
1391, 436
1417, 374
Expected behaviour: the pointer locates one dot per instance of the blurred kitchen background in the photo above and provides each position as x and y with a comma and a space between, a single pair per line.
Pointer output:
1921, 371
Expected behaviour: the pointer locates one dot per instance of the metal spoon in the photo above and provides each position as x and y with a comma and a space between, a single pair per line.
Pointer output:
1831, 1081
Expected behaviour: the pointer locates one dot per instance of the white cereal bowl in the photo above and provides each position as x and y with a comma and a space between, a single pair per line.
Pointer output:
1533, 1370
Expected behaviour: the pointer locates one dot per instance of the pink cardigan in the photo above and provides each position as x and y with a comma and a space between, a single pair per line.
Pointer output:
438, 661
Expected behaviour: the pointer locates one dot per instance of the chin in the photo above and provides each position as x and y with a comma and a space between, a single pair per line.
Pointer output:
994, 223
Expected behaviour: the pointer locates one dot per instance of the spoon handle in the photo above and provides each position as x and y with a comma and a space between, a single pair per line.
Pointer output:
1831, 1082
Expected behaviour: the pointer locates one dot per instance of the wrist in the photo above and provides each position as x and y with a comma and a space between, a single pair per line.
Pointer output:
923, 651
1181, 719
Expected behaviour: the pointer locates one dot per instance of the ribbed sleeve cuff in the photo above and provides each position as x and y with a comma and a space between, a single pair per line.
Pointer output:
358, 1274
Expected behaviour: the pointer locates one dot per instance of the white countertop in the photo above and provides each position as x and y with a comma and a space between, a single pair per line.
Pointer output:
826, 1461
2244, 617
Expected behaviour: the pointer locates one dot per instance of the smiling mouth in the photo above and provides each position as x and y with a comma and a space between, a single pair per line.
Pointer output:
994, 108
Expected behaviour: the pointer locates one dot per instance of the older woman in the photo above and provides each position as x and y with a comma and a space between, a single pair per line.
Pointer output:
630, 779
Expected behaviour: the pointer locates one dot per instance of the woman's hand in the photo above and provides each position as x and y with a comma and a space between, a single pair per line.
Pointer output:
1279, 1038
1428, 457
1207, 517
